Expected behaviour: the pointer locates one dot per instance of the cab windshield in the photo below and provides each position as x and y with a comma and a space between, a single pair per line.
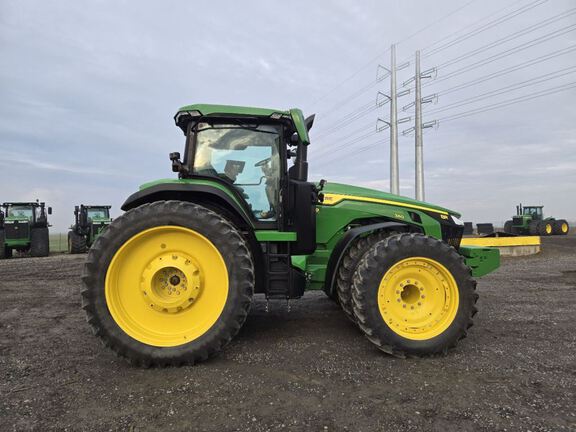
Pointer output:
245, 155
20, 212
533, 211
98, 213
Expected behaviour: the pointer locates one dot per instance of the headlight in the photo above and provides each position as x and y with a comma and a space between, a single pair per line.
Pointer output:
456, 220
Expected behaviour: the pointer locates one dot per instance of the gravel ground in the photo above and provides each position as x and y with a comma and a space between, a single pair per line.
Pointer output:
309, 369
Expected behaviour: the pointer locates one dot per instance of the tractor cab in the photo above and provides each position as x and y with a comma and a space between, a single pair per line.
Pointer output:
260, 155
26, 212
535, 212
20, 212
98, 213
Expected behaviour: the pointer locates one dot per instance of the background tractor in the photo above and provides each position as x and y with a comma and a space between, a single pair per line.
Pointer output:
530, 220
171, 281
89, 222
24, 228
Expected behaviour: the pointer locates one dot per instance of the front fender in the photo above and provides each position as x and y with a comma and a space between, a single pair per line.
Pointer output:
344, 243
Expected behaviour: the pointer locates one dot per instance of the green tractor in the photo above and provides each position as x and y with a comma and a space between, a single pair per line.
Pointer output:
90, 221
171, 281
24, 228
530, 220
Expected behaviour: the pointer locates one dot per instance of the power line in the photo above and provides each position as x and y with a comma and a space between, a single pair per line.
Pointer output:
352, 134
513, 50
467, 27
508, 102
347, 119
345, 144
479, 110
365, 109
345, 122
372, 60
515, 35
508, 70
360, 150
486, 26
338, 105
435, 22
507, 89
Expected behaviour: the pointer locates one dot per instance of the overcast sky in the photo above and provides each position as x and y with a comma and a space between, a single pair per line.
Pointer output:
88, 91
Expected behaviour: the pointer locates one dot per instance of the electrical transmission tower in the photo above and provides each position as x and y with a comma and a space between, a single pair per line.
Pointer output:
393, 121
418, 124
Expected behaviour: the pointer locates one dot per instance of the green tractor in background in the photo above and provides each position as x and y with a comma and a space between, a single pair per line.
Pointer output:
24, 228
530, 220
90, 221
171, 281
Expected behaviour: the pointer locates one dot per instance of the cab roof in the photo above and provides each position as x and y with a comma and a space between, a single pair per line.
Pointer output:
208, 110
33, 204
187, 112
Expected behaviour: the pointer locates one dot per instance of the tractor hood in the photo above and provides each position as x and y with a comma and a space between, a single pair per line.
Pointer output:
338, 189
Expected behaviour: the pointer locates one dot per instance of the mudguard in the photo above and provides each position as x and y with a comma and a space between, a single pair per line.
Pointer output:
345, 242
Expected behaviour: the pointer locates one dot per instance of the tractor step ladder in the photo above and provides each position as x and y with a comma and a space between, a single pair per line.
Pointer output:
278, 267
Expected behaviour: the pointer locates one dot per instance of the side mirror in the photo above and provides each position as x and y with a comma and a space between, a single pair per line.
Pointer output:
49, 210
176, 162
294, 139
309, 122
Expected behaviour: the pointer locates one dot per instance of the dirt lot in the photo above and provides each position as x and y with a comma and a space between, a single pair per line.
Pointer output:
309, 369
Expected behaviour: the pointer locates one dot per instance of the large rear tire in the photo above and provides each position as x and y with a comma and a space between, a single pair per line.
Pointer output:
168, 283
76, 243
348, 266
561, 227
508, 227
39, 242
413, 295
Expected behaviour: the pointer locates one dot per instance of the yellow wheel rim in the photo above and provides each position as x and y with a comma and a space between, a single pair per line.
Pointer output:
418, 298
564, 227
548, 229
166, 286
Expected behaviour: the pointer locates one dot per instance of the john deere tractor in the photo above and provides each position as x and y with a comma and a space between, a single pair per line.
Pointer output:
89, 222
24, 228
530, 220
171, 281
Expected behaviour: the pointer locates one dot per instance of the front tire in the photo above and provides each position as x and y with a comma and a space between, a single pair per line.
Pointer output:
349, 265
413, 295
545, 228
168, 283
76, 243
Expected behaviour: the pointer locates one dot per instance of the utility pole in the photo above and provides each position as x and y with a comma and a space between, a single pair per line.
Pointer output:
419, 126
394, 172
393, 119
418, 131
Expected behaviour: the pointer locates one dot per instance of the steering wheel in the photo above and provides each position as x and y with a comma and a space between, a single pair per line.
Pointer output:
263, 162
